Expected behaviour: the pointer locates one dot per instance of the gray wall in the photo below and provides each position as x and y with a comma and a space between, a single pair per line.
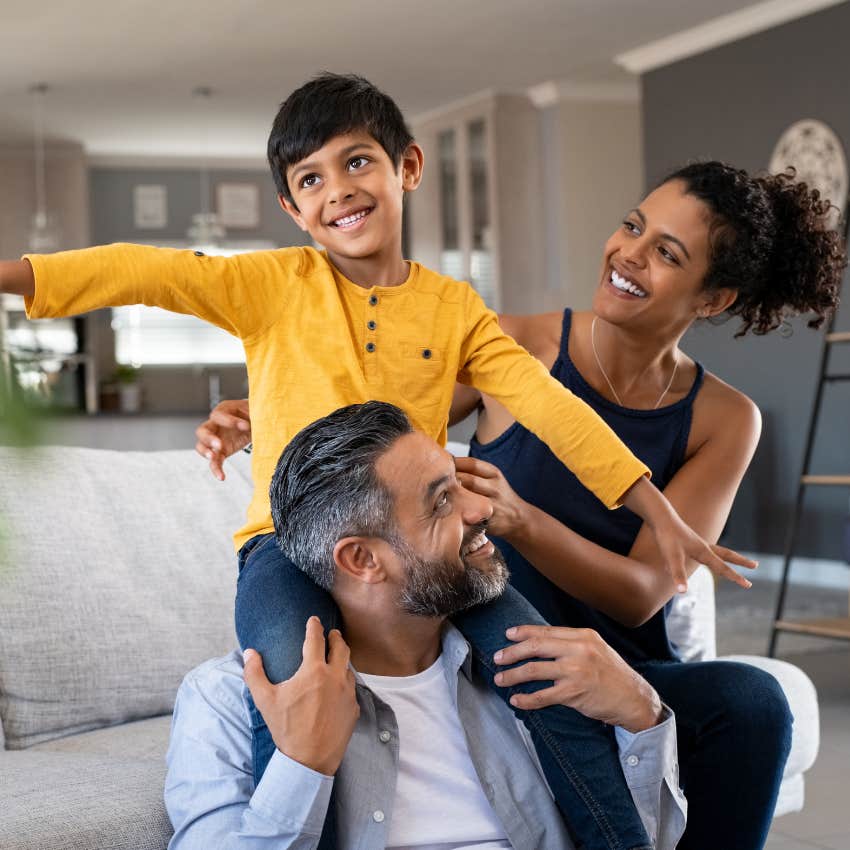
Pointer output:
733, 103
178, 388
111, 192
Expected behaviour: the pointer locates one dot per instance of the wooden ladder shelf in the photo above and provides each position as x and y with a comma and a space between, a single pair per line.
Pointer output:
832, 627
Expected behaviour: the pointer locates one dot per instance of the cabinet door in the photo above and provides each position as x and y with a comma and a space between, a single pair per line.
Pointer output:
466, 243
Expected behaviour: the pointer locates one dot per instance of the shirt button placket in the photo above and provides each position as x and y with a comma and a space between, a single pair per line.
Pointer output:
371, 337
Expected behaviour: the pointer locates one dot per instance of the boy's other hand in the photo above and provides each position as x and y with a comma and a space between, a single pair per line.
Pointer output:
226, 432
312, 715
678, 543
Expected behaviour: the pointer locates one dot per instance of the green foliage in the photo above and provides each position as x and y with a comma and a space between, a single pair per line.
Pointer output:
19, 425
125, 375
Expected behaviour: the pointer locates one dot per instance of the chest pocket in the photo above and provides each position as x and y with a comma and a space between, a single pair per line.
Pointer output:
424, 383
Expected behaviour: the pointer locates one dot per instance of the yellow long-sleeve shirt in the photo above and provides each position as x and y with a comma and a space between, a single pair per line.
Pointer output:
314, 341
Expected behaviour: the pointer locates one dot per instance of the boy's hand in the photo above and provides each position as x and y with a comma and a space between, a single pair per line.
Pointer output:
678, 542
487, 480
226, 432
587, 675
312, 715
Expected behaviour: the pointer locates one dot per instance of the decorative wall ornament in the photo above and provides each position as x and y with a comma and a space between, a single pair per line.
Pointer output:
814, 150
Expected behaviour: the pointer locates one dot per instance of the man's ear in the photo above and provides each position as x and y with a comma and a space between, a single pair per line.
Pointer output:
291, 210
361, 558
412, 162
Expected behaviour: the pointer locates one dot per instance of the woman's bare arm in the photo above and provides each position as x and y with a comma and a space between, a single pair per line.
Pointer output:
704, 488
464, 401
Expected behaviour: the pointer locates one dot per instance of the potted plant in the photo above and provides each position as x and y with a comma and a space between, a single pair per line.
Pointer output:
129, 388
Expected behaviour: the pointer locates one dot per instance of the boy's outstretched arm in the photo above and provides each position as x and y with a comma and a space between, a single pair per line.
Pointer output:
16, 278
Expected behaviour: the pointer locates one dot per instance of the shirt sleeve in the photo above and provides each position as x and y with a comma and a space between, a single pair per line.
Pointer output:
241, 294
209, 788
650, 764
497, 365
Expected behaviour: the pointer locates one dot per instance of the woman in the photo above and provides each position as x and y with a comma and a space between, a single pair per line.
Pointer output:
709, 240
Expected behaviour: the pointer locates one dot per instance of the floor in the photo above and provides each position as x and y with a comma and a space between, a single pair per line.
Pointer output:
743, 627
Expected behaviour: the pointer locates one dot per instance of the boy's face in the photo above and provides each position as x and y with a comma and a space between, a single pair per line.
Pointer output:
348, 196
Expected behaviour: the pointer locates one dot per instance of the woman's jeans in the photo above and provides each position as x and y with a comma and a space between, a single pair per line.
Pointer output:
733, 721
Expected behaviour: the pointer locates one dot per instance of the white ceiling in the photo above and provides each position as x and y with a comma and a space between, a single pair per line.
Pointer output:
121, 72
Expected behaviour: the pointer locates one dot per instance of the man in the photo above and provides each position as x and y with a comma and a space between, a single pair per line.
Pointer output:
395, 719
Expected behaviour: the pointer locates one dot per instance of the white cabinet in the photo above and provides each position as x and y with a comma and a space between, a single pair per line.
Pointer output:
476, 215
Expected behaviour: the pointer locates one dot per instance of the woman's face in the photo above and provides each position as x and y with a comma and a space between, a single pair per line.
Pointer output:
655, 263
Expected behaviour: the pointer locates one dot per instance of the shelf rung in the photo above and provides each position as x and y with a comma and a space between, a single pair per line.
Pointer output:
838, 336
827, 480
834, 627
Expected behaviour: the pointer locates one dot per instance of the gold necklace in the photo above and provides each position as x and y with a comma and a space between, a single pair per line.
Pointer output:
608, 380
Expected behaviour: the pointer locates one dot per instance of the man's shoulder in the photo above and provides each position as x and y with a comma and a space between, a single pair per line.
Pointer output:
215, 684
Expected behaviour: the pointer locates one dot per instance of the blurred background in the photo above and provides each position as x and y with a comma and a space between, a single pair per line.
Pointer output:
542, 122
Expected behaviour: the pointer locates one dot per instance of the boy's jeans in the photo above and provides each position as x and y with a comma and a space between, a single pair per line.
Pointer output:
579, 756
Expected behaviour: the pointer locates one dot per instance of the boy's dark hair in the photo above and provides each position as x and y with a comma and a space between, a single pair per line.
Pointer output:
325, 486
327, 106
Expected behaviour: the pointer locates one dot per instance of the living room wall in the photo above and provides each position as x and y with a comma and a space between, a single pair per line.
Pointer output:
732, 103
183, 388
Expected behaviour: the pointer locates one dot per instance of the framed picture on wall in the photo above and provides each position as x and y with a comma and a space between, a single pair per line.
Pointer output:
238, 205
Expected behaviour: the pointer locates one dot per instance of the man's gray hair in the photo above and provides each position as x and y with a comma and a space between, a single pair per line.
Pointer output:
325, 486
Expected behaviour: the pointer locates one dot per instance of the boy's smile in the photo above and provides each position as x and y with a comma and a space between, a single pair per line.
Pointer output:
348, 196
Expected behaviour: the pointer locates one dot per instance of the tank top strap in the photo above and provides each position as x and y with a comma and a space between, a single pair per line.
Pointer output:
566, 324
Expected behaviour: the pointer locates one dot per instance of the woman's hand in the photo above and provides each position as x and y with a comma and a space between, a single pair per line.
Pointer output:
509, 510
226, 432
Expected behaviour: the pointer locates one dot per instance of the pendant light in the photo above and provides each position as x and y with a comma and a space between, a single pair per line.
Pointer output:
44, 235
206, 231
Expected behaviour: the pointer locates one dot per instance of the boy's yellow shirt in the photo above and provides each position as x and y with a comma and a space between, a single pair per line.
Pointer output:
314, 341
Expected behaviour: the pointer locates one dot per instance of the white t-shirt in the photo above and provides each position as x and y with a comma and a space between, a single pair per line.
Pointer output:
439, 803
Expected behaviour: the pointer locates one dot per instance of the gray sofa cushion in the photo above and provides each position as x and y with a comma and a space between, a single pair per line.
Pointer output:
144, 739
93, 802
104, 609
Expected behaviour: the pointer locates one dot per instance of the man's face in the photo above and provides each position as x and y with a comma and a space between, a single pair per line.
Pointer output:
348, 195
446, 561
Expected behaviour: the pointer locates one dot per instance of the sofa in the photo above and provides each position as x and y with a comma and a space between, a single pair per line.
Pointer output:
117, 576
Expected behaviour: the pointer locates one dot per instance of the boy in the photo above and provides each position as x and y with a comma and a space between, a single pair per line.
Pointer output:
323, 330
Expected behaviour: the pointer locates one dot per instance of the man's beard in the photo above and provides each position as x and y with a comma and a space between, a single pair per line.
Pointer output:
440, 588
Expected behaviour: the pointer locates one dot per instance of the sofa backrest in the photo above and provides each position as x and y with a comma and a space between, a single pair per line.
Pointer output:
117, 576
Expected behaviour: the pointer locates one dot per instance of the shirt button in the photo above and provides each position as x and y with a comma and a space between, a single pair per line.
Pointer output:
199, 253
426, 353
373, 300
632, 761
371, 325
385, 736
378, 816
370, 347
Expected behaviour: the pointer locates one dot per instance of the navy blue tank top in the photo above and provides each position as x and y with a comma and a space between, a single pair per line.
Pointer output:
658, 437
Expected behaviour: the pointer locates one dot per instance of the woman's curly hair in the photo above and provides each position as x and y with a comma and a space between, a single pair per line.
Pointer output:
769, 240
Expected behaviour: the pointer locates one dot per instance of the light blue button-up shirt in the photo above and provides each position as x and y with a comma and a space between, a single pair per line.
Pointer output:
214, 805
